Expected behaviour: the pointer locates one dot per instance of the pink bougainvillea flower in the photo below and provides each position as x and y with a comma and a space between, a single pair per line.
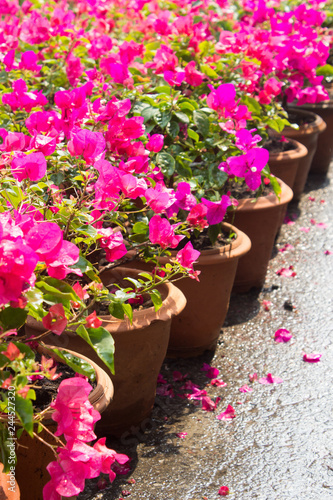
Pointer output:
328, 252
218, 383
181, 435
245, 388
312, 358
253, 377
270, 380
228, 414
162, 233
31, 167
55, 320
197, 394
46, 239
304, 229
92, 321
249, 166
286, 272
196, 217
286, 247
155, 143
12, 352
287, 220
266, 304
208, 404
282, 335
211, 372
113, 243
187, 256
216, 210
161, 379
223, 491
88, 144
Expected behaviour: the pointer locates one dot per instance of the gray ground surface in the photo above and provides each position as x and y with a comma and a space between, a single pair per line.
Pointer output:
280, 445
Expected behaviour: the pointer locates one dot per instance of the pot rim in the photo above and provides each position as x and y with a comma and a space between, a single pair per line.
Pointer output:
298, 152
268, 201
238, 247
317, 126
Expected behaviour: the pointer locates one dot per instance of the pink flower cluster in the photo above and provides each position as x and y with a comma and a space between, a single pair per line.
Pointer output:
77, 461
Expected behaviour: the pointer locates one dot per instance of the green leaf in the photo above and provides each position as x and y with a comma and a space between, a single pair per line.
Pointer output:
24, 411
205, 68
326, 70
83, 264
140, 228
213, 232
193, 134
173, 129
103, 343
202, 122
164, 89
12, 317
146, 275
252, 104
128, 311
57, 288
77, 364
116, 310
186, 105
162, 118
183, 169
166, 162
156, 299
148, 112
182, 117
277, 124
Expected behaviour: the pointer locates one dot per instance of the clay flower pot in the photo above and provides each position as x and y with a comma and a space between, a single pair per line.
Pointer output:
308, 135
198, 327
324, 153
287, 164
33, 456
260, 219
140, 349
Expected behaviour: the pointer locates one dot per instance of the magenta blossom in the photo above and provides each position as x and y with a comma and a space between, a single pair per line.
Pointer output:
248, 166
90, 145
162, 233
187, 256
155, 143
55, 320
282, 335
270, 380
31, 166
312, 358
216, 210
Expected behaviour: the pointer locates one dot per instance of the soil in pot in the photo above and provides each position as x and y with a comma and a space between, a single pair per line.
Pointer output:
260, 219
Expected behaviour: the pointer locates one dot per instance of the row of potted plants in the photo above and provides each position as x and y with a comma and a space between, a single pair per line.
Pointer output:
137, 148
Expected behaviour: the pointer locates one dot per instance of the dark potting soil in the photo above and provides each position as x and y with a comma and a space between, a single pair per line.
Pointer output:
300, 120
275, 145
239, 191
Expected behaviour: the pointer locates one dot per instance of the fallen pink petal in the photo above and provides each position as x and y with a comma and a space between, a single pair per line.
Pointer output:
269, 379
208, 404
313, 222
328, 252
245, 388
312, 358
282, 335
311, 198
286, 272
266, 304
211, 372
178, 376
253, 377
228, 414
322, 225
304, 229
224, 491
286, 247
181, 435
218, 383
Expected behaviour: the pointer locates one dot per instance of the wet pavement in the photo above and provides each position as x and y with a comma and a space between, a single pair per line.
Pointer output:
280, 444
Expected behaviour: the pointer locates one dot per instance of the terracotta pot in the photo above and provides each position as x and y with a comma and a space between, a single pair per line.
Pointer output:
198, 327
140, 349
324, 154
286, 165
307, 135
260, 219
9, 489
33, 456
